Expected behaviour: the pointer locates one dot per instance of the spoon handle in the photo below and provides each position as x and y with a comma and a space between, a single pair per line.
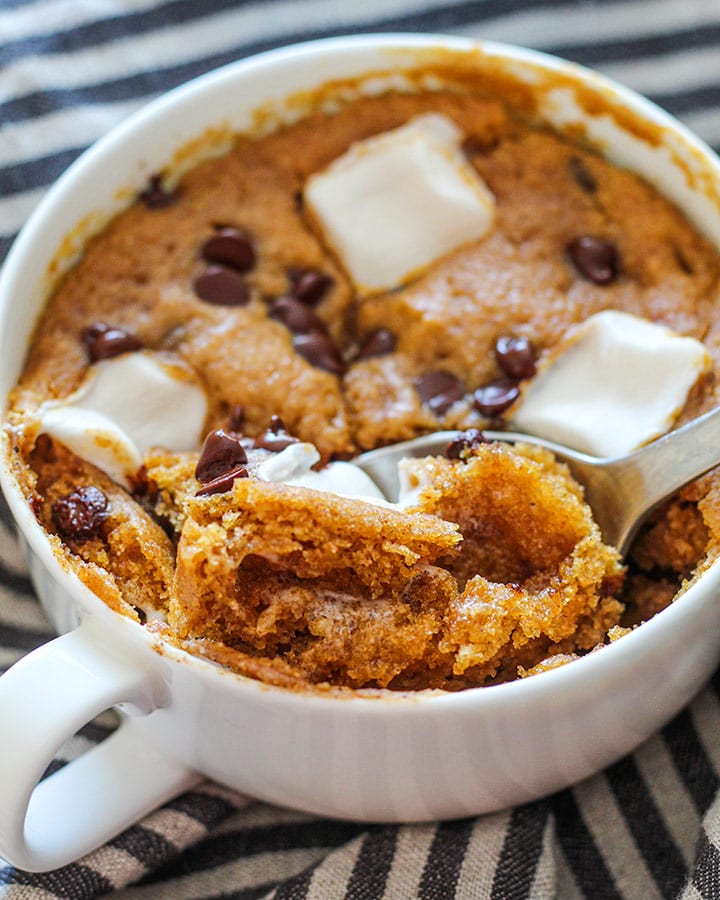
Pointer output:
655, 472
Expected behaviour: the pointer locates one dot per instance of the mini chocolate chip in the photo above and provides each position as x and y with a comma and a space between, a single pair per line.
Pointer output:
683, 262
464, 442
222, 483
80, 514
275, 438
221, 286
296, 316
377, 343
494, 398
310, 285
141, 614
515, 356
479, 145
141, 484
439, 390
318, 349
595, 258
230, 246
236, 418
612, 585
105, 341
582, 175
155, 196
221, 452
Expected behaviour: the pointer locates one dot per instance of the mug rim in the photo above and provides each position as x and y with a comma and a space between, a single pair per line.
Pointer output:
583, 670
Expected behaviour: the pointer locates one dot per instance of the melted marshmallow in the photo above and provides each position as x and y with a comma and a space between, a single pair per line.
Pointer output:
617, 382
126, 405
293, 466
396, 202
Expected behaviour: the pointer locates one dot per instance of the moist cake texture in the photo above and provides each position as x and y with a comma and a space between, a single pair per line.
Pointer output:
491, 566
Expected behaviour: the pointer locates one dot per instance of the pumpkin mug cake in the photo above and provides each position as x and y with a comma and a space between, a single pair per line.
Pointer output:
404, 263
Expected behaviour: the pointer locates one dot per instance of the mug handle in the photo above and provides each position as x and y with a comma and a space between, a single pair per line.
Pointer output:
44, 699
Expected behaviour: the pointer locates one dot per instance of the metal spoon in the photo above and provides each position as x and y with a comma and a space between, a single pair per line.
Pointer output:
621, 492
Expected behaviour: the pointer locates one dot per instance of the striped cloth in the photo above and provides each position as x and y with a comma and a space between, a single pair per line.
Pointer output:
647, 827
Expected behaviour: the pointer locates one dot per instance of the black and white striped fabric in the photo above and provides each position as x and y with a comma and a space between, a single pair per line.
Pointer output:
648, 827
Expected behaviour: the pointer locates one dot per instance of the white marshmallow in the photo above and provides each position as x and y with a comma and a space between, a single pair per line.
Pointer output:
616, 383
294, 461
344, 479
293, 466
94, 438
413, 478
395, 203
126, 405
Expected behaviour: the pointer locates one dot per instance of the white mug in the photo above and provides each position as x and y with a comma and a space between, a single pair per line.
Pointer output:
388, 758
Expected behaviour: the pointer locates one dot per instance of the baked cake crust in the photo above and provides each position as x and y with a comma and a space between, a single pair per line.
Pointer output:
496, 569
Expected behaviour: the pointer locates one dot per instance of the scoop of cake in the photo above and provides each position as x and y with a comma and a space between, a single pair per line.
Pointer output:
494, 562
340, 587
533, 573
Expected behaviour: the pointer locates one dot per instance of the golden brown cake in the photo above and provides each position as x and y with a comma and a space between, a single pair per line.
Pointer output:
493, 568
117, 548
530, 579
342, 588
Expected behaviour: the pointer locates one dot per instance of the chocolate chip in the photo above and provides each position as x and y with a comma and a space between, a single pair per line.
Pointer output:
105, 341
464, 442
80, 515
515, 356
221, 286
595, 258
377, 343
222, 483
230, 246
494, 398
318, 349
141, 614
582, 175
683, 262
310, 285
221, 453
612, 585
141, 484
479, 145
236, 419
296, 316
275, 438
155, 196
439, 390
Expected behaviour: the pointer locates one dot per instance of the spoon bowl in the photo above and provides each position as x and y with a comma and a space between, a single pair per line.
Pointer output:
622, 492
